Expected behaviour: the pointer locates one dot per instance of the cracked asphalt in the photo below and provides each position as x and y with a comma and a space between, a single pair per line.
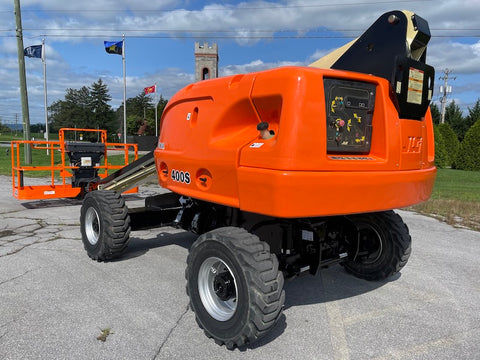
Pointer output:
55, 301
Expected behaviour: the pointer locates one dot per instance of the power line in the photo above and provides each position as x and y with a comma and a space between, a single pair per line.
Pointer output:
223, 31
302, 33
243, 8
213, 34
242, 37
97, 36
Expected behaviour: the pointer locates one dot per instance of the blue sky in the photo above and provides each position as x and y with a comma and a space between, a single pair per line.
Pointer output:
251, 35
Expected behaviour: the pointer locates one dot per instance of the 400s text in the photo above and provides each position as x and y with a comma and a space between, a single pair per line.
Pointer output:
181, 176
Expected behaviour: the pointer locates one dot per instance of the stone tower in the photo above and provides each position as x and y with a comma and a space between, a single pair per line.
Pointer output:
206, 61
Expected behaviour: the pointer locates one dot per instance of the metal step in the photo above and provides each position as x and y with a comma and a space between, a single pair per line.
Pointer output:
130, 176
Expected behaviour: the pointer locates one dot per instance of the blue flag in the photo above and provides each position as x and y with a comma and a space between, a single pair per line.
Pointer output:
34, 51
114, 47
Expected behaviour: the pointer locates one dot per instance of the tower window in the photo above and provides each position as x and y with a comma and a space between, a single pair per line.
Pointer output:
205, 74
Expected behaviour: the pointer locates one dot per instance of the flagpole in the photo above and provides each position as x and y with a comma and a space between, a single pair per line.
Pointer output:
124, 94
156, 105
45, 88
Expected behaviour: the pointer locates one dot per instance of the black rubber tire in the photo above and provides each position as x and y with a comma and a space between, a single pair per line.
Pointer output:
258, 286
104, 224
384, 246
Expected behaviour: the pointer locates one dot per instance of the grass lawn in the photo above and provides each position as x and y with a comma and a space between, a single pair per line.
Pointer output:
455, 198
19, 136
457, 185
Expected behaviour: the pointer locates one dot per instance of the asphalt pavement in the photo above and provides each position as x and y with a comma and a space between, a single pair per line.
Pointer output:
55, 302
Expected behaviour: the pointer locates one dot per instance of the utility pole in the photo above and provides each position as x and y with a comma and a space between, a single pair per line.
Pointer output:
445, 90
124, 93
45, 89
23, 81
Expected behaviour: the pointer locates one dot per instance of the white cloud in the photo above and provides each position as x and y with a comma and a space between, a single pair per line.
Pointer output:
246, 21
253, 66
464, 58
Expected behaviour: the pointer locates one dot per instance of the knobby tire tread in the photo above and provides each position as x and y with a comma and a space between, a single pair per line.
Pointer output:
265, 282
393, 224
116, 221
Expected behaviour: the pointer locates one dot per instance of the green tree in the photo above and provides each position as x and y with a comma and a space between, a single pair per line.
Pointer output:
87, 107
473, 114
454, 117
160, 107
102, 115
133, 124
140, 108
73, 111
468, 157
436, 115
4, 128
450, 141
140, 105
37, 128
441, 156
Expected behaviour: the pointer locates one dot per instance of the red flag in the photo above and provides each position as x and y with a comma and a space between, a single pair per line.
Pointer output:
150, 89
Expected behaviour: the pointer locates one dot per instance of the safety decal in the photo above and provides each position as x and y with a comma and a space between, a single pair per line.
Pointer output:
341, 125
415, 86
336, 103
350, 106
256, 145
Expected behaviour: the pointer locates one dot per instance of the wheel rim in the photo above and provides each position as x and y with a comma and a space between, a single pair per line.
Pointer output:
217, 287
370, 244
92, 226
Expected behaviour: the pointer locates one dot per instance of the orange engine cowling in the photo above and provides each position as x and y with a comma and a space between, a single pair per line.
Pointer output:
336, 144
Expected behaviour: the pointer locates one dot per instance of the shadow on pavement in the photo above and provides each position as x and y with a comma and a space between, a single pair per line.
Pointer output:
328, 285
49, 203
138, 246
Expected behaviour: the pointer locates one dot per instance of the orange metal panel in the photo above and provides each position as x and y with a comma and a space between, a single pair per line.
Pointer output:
35, 192
209, 147
306, 193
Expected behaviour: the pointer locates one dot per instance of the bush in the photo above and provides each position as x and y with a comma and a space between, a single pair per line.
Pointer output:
468, 156
441, 156
450, 141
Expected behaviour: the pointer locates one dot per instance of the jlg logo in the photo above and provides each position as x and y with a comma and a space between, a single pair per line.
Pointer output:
181, 176
414, 144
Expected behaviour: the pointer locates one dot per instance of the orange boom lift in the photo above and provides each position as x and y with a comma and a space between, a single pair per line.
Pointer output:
287, 171
75, 168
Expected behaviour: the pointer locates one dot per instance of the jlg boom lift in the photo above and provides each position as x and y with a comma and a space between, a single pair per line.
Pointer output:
78, 164
287, 171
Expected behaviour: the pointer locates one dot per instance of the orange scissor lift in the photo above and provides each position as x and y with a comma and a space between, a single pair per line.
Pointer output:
75, 168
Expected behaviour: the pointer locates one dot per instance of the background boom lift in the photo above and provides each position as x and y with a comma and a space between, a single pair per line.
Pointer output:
78, 164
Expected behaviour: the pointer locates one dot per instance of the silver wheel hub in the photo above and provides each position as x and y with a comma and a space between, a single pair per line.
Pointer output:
217, 288
92, 225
